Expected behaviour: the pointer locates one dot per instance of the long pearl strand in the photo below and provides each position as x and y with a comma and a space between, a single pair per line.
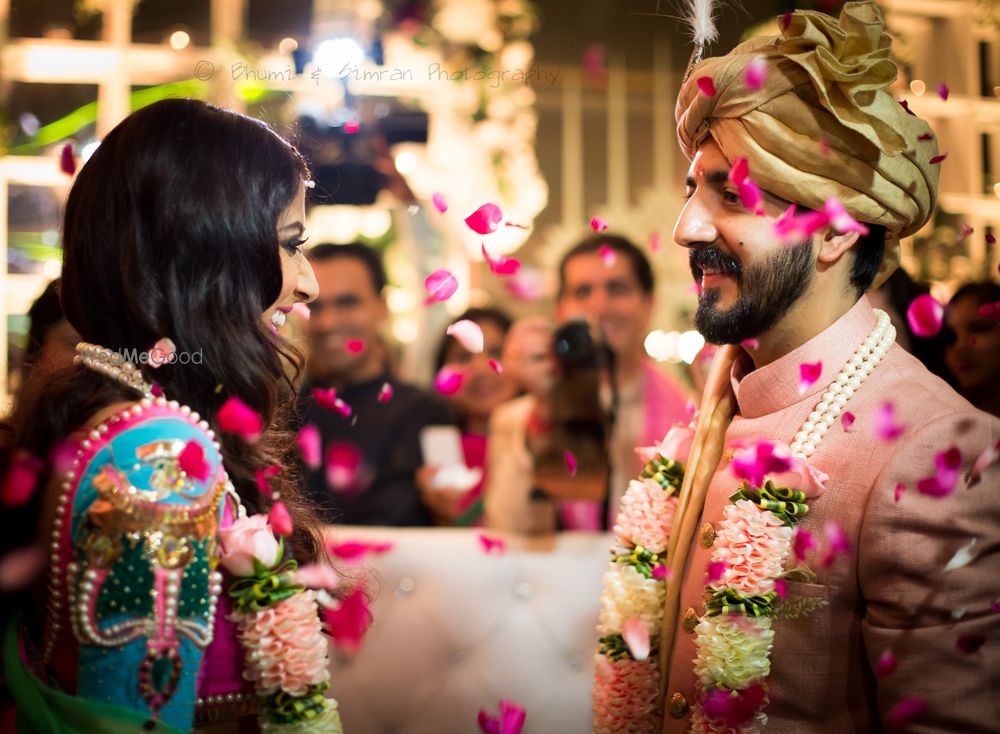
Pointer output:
843, 386
99, 359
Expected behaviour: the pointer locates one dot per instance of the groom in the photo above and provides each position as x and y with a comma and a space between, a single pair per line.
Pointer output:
892, 620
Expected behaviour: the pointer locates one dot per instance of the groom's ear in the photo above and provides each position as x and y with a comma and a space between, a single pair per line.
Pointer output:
832, 245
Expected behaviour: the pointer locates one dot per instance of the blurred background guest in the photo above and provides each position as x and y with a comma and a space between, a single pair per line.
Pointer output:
973, 354
370, 424
484, 386
51, 338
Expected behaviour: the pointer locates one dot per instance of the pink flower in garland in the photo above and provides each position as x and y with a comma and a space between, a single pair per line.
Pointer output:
625, 696
753, 543
646, 515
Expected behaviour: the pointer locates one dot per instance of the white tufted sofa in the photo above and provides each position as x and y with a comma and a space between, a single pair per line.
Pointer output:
457, 630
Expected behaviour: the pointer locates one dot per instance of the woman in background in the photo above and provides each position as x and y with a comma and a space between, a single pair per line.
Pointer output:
973, 355
483, 387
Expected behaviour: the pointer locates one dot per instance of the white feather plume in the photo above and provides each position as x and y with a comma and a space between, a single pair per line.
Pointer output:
700, 15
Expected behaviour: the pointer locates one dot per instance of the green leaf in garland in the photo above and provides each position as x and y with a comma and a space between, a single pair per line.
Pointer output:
788, 504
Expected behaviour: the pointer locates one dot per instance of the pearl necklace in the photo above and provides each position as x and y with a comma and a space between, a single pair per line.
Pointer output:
113, 364
843, 386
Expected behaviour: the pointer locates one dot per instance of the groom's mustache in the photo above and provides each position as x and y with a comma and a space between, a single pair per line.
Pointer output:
712, 258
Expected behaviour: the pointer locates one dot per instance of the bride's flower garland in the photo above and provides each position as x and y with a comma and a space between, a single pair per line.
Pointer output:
753, 542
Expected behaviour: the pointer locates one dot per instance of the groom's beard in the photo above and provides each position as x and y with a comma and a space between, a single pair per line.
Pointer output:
766, 291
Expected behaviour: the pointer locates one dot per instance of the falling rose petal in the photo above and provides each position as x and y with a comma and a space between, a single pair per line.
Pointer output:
755, 74
263, 475
991, 239
655, 243
925, 315
570, 460
989, 455
947, 466
343, 466
938, 158
840, 219
157, 390
19, 485
966, 231
751, 196
904, 712
594, 66
886, 664
809, 372
995, 606
661, 572
802, 541
715, 571
357, 550
749, 343
734, 708
837, 543
490, 544
385, 393
970, 642
301, 310
317, 576
237, 417
906, 106
635, 632
355, 346
898, 491
192, 461
347, 622
925, 136
448, 380
824, 147
325, 398
485, 219
781, 589
754, 462
161, 352
496, 366
691, 407
739, 171
440, 286
467, 333
526, 285
341, 407
21, 567
786, 20
963, 556
942, 91
439, 203
986, 310
598, 224
510, 721
886, 428
706, 86
310, 446
67, 159
847, 421
279, 519
488, 724
607, 254
501, 265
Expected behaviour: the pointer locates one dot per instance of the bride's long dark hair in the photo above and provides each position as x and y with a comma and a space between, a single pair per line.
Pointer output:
171, 230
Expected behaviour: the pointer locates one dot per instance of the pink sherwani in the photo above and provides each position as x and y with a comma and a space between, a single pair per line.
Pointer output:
891, 592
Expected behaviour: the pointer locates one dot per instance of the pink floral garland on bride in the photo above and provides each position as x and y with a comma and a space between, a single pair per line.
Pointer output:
734, 638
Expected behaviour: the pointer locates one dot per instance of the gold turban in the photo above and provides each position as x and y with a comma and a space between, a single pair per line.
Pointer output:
823, 124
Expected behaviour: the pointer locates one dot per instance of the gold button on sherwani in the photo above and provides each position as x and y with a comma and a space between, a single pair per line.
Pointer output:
707, 535
678, 705
690, 619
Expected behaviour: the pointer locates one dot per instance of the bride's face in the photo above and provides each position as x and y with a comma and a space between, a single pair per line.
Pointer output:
298, 283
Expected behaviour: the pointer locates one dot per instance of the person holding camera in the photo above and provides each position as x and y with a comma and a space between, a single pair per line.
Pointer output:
561, 455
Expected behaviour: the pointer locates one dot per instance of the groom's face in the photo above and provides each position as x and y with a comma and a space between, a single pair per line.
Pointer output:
747, 278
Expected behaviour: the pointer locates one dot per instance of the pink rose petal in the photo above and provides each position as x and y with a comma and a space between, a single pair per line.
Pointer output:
348, 622
925, 316
490, 544
885, 426
802, 541
280, 520
343, 467
824, 147
355, 346
781, 589
786, 20
317, 576
706, 86
354, 551
156, 390
925, 136
755, 74
485, 219
655, 243
19, 485
749, 343
301, 310
837, 543
192, 461
904, 712
67, 159
886, 664
570, 460
809, 372
762, 458
21, 567
966, 231
991, 239
161, 353
661, 572
938, 158
440, 286
988, 456
598, 224
263, 475
237, 417
948, 464
439, 203
906, 106
942, 91
607, 254
510, 721
734, 708
501, 265
448, 380
847, 421
467, 333
325, 398
840, 219
715, 571
496, 366
310, 446
385, 393
636, 635
898, 491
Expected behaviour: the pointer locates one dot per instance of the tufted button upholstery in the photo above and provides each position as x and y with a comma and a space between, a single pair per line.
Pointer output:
457, 629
